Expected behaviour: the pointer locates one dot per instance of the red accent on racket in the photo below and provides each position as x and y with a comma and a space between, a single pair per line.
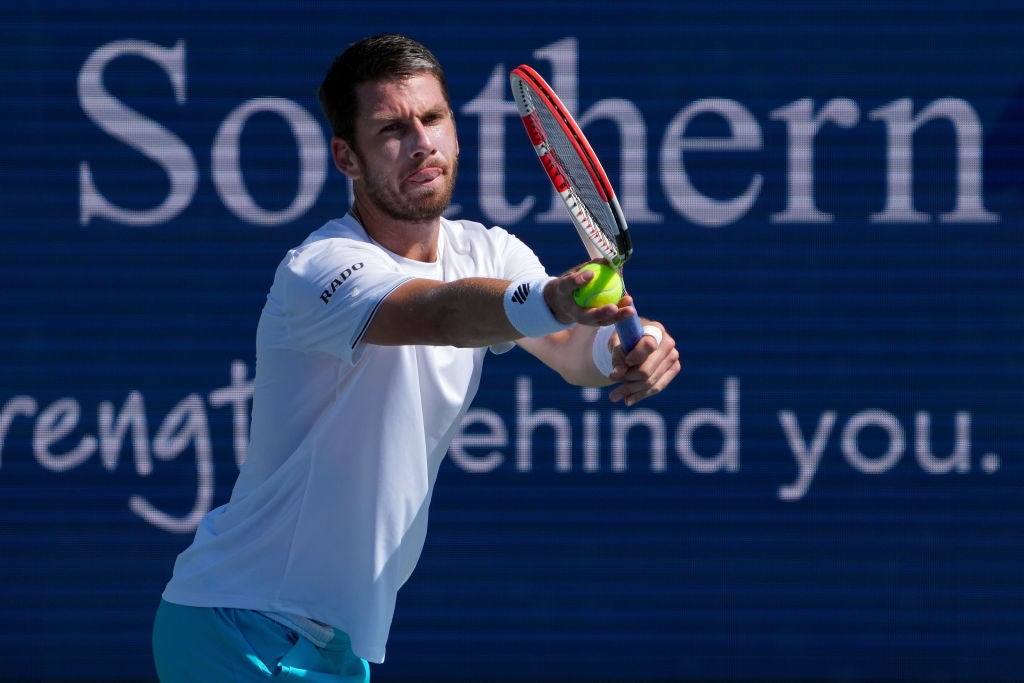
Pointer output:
578, 177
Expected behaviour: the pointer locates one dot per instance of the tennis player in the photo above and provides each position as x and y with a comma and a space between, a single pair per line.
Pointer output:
369, 352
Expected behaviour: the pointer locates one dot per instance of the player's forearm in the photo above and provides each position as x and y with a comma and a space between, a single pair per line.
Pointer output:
466, 313
570, 354
471, 313
476, 312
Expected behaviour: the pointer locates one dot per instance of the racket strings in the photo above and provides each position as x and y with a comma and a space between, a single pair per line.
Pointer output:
592, 211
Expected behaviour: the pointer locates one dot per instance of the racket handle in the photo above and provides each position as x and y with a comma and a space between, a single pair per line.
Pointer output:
630, 331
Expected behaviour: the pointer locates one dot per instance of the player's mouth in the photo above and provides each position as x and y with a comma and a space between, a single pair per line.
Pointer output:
425, 176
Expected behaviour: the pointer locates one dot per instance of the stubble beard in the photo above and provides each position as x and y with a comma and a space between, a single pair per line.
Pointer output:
407, 209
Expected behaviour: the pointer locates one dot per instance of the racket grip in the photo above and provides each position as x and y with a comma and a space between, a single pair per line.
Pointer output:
630, 331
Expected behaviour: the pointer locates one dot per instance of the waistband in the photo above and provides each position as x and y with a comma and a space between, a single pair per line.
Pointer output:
319, 634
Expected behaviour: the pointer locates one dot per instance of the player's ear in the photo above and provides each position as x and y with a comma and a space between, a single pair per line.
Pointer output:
345, 158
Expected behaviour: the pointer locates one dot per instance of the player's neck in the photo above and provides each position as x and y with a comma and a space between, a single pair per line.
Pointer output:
415, 240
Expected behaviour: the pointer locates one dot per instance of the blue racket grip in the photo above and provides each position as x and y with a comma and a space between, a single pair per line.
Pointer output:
630, 331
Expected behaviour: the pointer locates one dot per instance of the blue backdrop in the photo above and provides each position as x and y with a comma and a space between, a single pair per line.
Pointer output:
826, 202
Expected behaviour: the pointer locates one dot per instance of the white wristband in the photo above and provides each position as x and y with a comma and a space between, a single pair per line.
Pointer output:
652, 331
527, 310
602, 354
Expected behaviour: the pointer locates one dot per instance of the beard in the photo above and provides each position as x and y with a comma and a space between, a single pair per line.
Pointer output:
424, 206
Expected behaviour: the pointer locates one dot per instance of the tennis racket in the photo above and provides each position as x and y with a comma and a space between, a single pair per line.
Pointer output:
578, 177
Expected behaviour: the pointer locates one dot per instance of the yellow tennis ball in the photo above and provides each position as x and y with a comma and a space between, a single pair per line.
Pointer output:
606, 287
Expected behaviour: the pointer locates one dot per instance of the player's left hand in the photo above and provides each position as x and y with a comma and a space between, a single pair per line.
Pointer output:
647, 369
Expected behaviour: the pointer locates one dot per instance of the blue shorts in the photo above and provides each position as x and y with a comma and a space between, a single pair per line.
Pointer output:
203, 644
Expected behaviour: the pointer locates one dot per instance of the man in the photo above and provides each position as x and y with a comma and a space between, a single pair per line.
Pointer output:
369, 351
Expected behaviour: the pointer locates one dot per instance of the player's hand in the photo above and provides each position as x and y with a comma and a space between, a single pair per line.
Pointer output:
558, 295
647, 369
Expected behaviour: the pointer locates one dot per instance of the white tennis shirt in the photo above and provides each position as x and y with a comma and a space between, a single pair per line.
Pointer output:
329, 514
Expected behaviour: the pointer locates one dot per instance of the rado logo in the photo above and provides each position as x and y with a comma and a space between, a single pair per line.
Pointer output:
339, 281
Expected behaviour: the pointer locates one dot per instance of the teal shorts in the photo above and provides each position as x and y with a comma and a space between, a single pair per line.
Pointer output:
203, 644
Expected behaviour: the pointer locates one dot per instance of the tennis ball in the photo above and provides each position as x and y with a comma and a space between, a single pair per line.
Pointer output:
606, 287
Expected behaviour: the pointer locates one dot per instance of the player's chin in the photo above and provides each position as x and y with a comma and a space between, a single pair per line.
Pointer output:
430, 198
428, 206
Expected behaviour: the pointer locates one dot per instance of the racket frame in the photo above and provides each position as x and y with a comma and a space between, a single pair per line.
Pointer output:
615, 250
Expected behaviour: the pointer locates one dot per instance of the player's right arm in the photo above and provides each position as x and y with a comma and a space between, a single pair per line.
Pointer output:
471, 312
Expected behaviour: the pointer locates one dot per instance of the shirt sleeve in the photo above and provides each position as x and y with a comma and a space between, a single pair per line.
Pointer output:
326, 295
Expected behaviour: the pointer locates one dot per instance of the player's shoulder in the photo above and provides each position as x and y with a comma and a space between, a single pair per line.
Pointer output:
331, 244
466, 231
339, 233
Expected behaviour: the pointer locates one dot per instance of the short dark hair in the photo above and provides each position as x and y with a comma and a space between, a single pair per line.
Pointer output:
384, 57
